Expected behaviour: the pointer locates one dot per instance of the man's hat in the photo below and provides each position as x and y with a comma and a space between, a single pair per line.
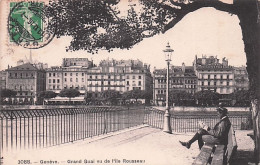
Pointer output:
222, 110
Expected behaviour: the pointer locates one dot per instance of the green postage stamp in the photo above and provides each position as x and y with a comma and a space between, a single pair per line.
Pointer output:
28, 25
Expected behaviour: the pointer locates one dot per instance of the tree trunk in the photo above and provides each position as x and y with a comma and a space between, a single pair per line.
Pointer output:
256, 126
249, 16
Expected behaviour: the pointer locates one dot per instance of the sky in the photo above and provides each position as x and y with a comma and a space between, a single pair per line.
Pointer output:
204, 32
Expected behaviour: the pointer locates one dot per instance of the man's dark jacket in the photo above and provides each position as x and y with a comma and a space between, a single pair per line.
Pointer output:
221, 129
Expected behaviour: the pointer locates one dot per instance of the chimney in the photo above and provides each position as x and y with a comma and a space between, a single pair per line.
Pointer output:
203, 60
183, 67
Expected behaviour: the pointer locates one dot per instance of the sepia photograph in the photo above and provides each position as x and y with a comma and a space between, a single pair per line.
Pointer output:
130, 82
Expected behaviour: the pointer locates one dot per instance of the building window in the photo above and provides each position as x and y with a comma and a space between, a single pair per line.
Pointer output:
127, 77
82, 79
202, 83
70, 79
96, 77
227, 76
49, 74
82, 74
77, 74
127, 82
53, 86
65, 79
208, 76
133, 77
109, 77
58, 86
221, 77
53, 80
227, 83
49, 80
54, 74
90, 77
108, 82
215, 76
140, 77
65, 74
139, 83
70, 74
209, 83
215, 83
58, 80
76, 79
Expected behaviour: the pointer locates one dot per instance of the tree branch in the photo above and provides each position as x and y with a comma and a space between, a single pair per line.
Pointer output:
187, 8
177, 3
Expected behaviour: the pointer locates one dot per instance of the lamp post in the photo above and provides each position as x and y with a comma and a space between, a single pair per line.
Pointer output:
167, 125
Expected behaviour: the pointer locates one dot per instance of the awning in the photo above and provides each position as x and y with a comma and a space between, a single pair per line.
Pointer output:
66, 99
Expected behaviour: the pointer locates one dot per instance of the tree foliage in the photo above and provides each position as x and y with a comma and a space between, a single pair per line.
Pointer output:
99, 24
47, 94
207, 97
8, 93
69, 93
180, 97
135, 94
110, 94
242, 97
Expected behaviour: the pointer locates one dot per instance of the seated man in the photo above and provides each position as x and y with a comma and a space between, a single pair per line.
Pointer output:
217, 135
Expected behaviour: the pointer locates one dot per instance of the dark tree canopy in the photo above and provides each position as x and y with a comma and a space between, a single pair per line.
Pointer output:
135, 94
97, 24
7, 93
47, 94
207, 97
69, 93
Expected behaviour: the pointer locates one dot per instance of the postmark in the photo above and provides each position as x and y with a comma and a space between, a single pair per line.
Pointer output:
29, 26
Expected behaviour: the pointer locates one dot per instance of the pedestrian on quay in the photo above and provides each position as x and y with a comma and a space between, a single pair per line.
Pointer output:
217, 135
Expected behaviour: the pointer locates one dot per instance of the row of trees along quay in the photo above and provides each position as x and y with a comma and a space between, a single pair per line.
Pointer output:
154, 18
110, 97
177, 97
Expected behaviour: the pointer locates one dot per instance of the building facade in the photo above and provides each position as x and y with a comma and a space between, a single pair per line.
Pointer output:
241, 78
122, 76
3, 79
77, 62
27, 80
181, 78
213, 75
58, 78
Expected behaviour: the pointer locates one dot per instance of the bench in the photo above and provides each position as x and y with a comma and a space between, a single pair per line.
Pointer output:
218, 154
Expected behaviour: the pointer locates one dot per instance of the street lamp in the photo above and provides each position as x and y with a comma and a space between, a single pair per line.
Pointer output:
167, 125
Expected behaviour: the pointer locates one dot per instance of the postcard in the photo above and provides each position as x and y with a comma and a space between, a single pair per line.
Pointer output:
119, 81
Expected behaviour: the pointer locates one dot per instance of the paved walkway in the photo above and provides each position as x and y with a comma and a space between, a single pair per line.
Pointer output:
140, 145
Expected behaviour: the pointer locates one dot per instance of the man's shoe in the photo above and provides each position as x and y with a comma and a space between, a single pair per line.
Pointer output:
186, 144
